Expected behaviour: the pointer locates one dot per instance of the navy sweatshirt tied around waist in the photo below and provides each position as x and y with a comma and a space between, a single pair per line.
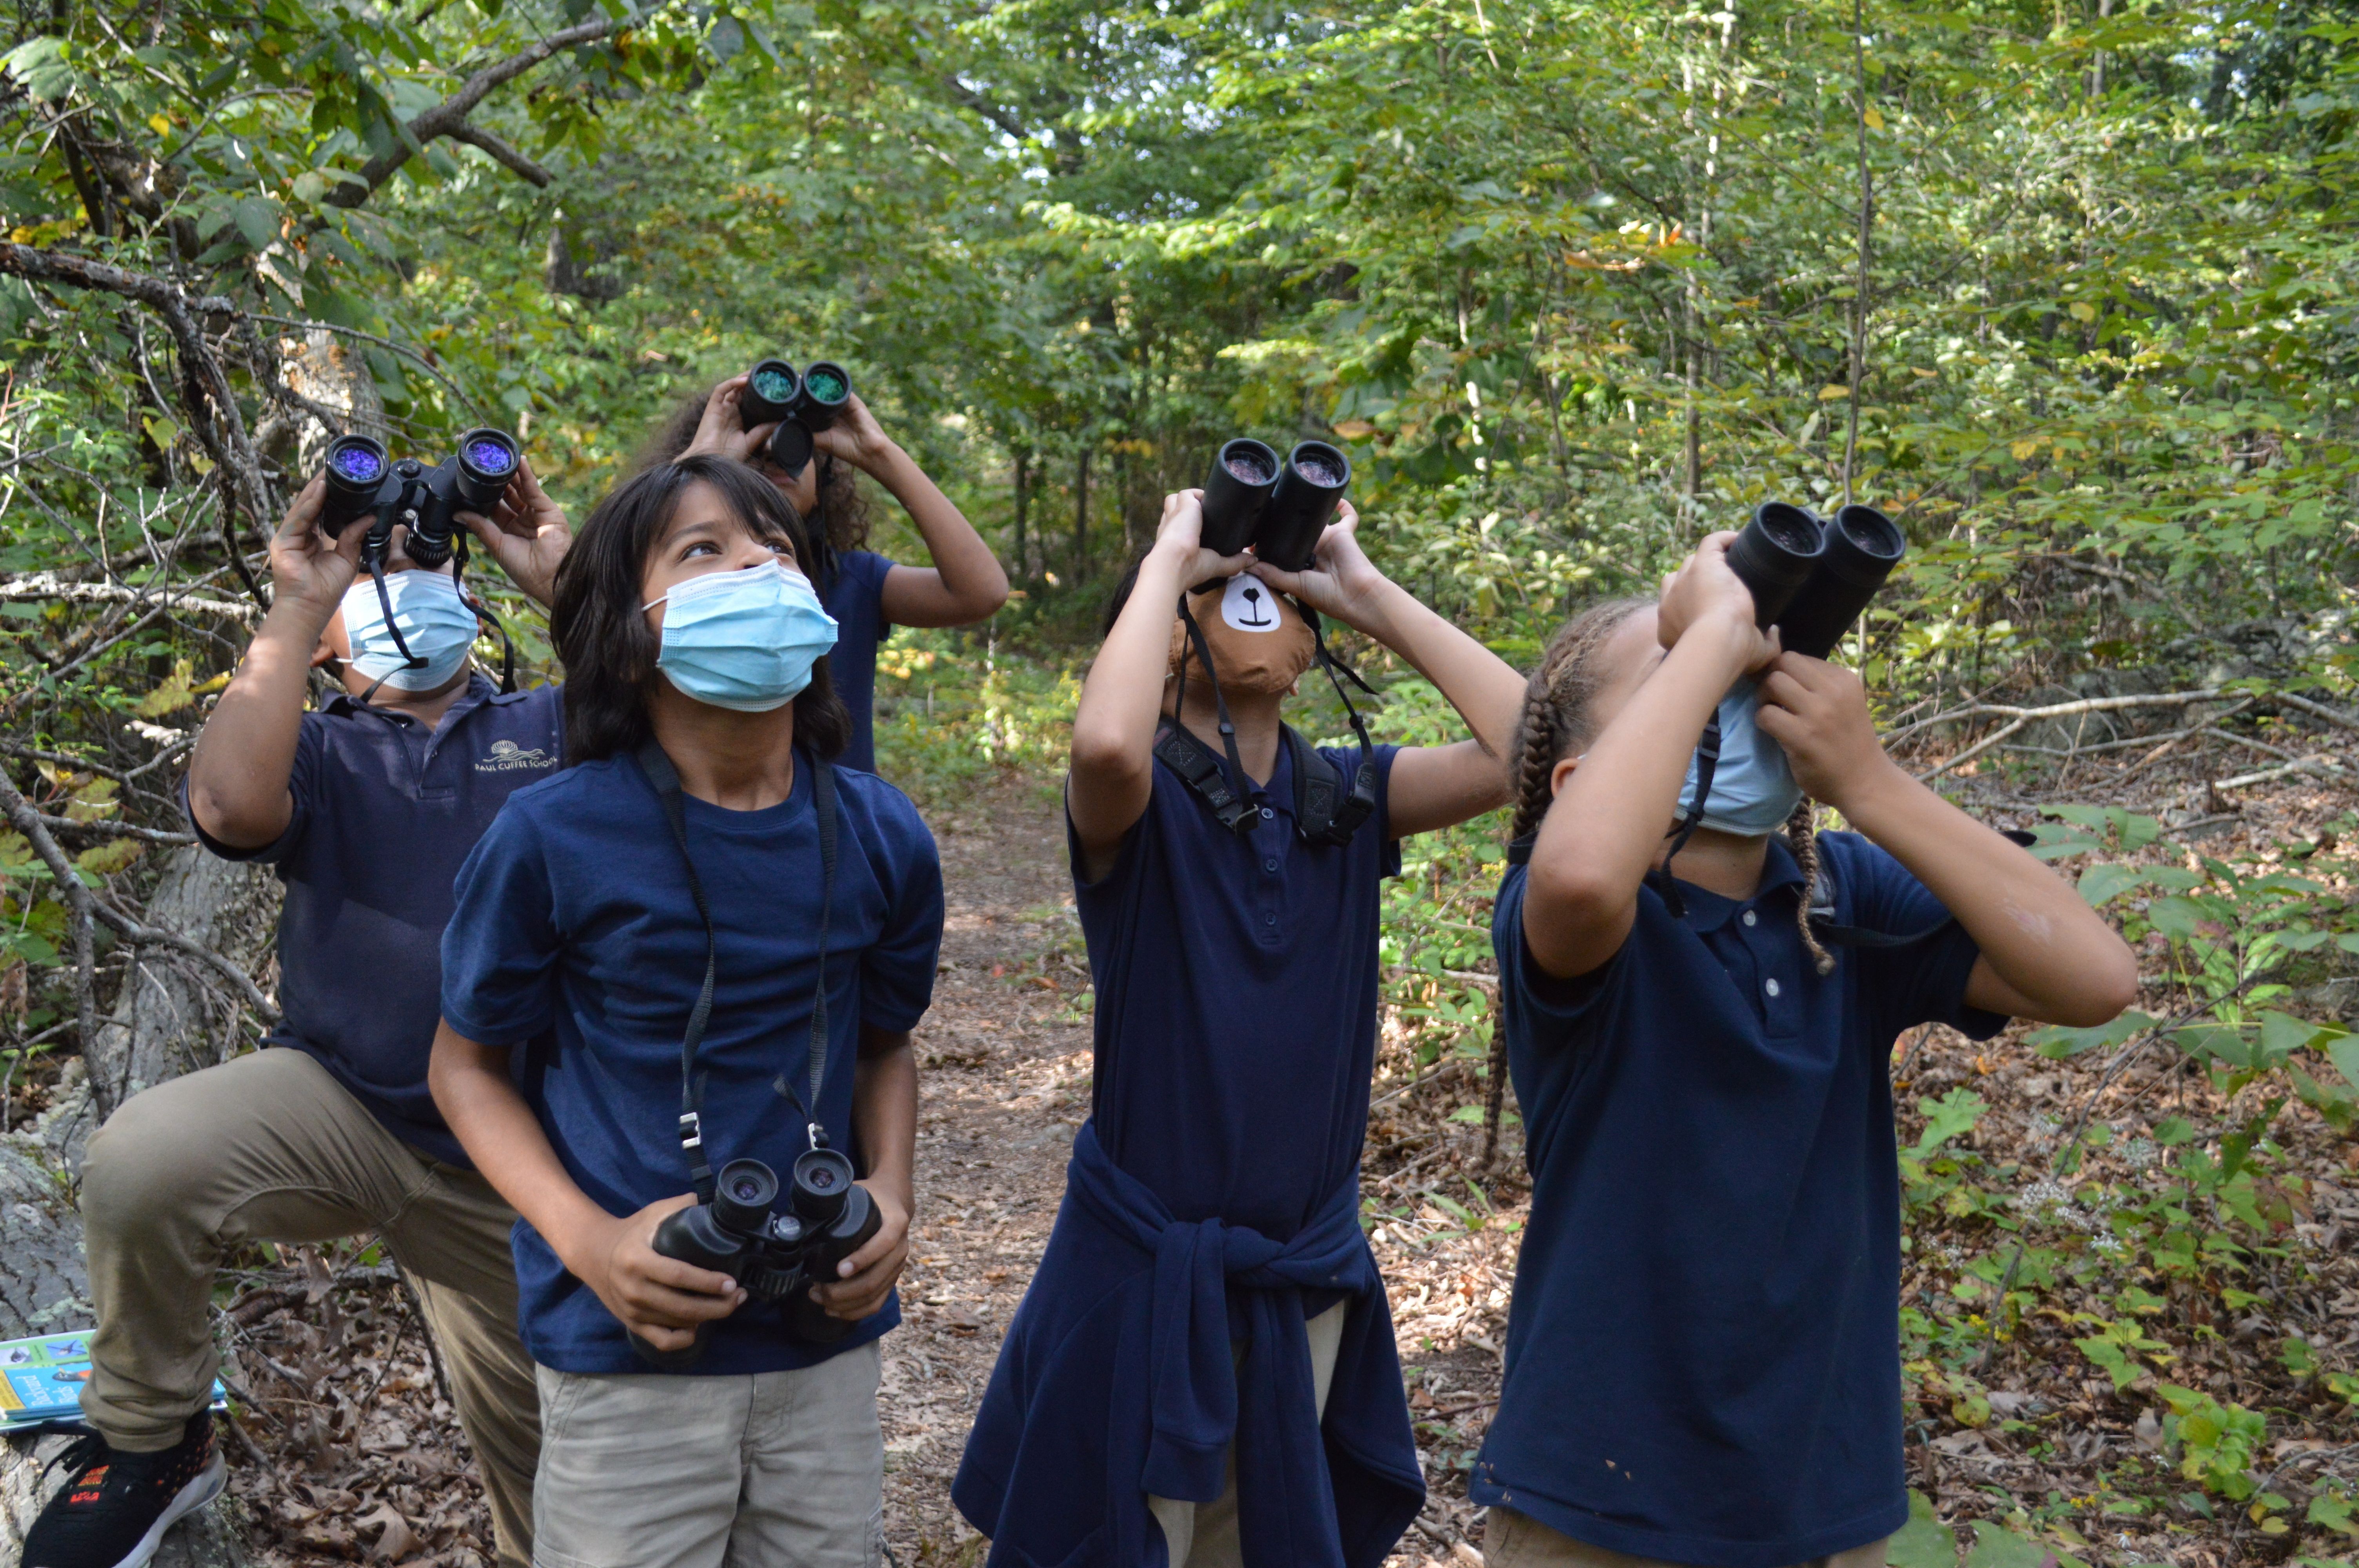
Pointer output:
1146, 1345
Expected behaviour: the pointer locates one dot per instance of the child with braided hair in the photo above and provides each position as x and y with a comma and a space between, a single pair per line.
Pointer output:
1702, 1360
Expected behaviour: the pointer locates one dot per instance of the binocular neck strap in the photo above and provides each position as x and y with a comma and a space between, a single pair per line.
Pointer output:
660, 774
1328, 661
1219, 703
376, 559
1707, 763
484, 614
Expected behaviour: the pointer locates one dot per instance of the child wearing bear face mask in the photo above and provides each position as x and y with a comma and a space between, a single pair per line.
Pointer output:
1203, 1370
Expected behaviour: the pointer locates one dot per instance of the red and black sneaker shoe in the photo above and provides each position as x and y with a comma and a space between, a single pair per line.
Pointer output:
114, 1507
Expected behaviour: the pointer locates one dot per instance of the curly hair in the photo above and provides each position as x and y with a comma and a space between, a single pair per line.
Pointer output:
602, 632
842, 509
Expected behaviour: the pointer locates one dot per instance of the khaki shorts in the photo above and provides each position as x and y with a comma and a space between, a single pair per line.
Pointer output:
1511, 1540
661, 1470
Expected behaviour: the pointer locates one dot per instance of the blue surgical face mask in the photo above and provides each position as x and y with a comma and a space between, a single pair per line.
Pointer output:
435, 621
744, 640
1753, 790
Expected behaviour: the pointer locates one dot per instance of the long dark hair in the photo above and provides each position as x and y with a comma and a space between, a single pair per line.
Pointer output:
602, 632
842, 510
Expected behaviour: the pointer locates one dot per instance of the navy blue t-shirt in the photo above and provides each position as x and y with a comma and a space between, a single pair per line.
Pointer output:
386, 812
1703, 1352
855, 597
1236, 1000
575, 935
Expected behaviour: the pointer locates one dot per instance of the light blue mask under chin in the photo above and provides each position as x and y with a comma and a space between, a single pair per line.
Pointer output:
744, 640
1753, 789
435, 621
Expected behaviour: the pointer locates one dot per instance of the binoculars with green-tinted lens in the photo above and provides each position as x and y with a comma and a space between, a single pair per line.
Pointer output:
364, 480
1811, 576
1278, 508
800, 406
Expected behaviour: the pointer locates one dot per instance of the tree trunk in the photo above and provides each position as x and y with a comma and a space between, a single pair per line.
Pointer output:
170, 1018
1023, 563
1081, 516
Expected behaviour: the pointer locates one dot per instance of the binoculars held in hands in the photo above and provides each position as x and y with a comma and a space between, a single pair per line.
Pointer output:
1810, 576
364, 480
1278, 508
800, 406
777, 1257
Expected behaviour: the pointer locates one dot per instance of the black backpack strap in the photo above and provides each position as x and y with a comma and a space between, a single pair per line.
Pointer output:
1318, 790
666, 779
1198, 767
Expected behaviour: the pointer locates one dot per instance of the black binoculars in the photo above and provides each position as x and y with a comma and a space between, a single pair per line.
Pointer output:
1810, 576
363, 480
777, 1257
801, 406
1280, 508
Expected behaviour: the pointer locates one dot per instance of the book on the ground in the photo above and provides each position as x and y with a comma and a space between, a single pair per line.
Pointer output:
41, 1379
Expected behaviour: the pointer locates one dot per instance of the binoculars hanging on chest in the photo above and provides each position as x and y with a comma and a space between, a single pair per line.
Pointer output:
1278, 508
363, 479
1810, 576
799, 405
777, 1257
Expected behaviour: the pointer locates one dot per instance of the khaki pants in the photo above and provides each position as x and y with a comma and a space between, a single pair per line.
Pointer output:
668, 1470
269, 1147
1511, 1540
1204, 1535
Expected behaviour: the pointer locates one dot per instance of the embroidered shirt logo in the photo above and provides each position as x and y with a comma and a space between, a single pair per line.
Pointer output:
507, 756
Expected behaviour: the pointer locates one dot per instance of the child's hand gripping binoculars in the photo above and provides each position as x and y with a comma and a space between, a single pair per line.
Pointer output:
1812, 577
1278, 508
800, 406
777, 1257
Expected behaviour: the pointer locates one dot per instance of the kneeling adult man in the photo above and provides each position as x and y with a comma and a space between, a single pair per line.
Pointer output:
365, 808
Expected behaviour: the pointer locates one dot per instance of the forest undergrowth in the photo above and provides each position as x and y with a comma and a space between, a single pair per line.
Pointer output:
2130, 1306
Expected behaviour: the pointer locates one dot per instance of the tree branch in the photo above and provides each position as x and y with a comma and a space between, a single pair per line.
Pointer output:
968, 98
205, 391
449, 118
505, 155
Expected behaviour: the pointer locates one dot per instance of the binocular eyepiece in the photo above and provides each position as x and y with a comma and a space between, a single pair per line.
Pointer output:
1809, 578
799, 405
1278, 508
364, 480
777, 1257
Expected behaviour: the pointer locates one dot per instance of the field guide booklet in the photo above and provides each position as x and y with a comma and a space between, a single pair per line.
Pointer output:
41, 1379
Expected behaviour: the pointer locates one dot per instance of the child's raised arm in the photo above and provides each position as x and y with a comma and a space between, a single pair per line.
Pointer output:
1431, 786
1113, 772
2045, 953
1606, 826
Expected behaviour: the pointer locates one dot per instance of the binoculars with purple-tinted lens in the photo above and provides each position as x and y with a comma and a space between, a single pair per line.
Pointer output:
1811, 576
364, 480
799, 405
1278, 508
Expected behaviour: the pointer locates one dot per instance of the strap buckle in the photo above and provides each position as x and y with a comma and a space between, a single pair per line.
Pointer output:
692, 1133
817, 1134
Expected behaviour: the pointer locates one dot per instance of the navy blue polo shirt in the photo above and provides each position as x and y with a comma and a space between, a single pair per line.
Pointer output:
386, 812
855, 597
1703, 1352
575, 933
1236, 1000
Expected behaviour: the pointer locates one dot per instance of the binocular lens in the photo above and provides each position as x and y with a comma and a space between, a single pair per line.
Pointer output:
742, 1194
1862, 546
1774, 556
822, 1182
356, 459
1245, 466
1319, 471
770, 392
489, 458
824, 384
773, 384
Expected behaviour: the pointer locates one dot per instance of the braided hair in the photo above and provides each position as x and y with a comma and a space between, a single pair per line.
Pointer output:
1801, 837
1555, 720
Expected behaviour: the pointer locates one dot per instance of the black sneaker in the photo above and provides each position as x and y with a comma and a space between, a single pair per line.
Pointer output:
114, 1507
